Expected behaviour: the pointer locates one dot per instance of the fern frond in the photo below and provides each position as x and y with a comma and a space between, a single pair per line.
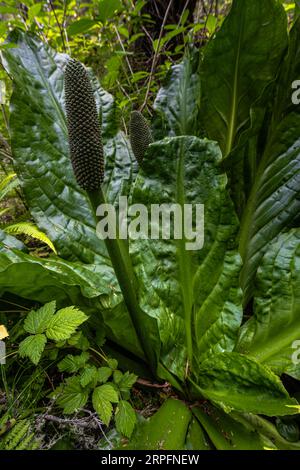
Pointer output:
4, 211
28, 443
13, 438
31, 230
20, 437
8, 184
7, 179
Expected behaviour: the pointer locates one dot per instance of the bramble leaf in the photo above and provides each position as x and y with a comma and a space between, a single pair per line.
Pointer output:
33, 347
125, 418
72, 396
64, 323
37, 320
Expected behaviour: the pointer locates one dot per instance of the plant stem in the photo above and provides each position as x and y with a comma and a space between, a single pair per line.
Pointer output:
120, 259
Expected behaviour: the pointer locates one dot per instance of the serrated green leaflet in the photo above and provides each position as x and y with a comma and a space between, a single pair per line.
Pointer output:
72, 397
103, 397
64, 323
72, 363
125, 418
37, 320
32, 347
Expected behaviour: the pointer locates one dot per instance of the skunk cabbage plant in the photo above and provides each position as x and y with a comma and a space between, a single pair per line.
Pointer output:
218, 321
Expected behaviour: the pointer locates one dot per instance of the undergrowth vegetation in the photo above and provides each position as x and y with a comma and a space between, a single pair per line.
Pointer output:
150, 342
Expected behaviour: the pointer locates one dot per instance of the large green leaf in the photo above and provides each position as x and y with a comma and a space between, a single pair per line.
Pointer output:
189, 290
266, 429
239, 62
165, 430
272, 334
40, 149
11, 242
92, 287
274, 200
177, 104
226, 433
196, 439
44, 279
237, 382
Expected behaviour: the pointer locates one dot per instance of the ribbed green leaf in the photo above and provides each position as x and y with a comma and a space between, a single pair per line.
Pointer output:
272, 335
44, 279
238, 382
177, 104
178, 286
107, 392
196, 439
274, 201
30, 230
55, 201
239, 62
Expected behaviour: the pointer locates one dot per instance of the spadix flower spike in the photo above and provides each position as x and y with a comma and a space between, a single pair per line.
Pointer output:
140, 135
84, 130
